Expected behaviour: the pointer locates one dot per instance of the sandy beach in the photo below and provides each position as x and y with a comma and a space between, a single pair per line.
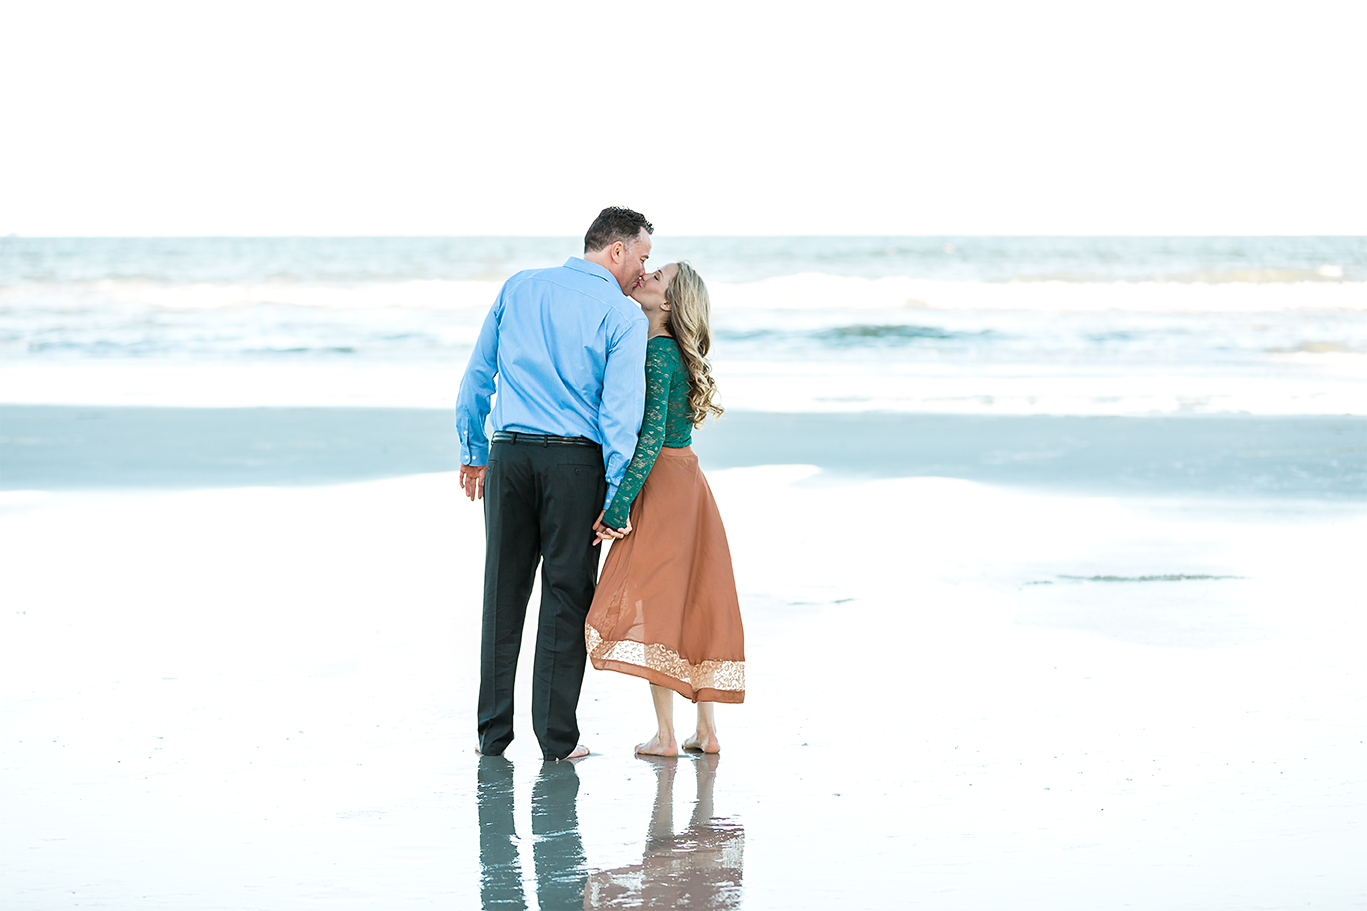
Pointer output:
1025, 661
1041, 334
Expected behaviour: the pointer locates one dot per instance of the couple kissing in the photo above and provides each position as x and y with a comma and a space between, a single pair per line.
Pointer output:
575, 417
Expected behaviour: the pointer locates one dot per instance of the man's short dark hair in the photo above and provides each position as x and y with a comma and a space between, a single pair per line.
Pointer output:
613, 224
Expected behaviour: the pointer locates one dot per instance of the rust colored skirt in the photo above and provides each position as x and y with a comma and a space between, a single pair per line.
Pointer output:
666, 606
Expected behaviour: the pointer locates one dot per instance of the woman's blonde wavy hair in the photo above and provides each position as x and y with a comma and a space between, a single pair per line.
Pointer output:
690, 318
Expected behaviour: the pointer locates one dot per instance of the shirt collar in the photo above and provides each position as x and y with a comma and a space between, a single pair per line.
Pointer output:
588, 268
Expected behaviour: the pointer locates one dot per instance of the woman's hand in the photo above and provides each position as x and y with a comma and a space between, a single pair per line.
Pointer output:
608, 533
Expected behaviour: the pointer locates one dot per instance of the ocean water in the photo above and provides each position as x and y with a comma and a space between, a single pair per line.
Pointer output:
873, 322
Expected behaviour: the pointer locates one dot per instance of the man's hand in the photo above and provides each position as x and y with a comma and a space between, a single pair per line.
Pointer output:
472, 479
606, 532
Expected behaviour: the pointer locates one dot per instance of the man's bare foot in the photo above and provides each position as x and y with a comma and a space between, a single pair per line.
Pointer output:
703, 743
579, 752
658, 746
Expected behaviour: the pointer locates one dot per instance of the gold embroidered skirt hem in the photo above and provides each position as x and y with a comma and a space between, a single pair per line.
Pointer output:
710, 681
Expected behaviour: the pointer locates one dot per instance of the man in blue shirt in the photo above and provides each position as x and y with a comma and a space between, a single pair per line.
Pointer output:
568, 349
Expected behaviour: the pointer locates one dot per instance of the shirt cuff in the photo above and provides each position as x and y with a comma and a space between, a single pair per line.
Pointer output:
612, 492
474, 454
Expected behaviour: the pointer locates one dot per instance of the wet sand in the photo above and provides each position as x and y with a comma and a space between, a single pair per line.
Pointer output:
63, 447
981, 673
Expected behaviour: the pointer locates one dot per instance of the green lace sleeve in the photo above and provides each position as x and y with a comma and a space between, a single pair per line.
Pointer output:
659, 368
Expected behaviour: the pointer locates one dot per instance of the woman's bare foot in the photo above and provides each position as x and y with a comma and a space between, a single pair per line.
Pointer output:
703, 742
659, 745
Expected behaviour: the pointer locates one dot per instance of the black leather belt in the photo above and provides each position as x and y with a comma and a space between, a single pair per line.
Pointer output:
543, 439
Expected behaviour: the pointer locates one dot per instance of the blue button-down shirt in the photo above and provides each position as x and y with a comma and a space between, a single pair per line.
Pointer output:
569, 352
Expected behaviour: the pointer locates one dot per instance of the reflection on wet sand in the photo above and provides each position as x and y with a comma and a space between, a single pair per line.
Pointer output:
500, 881
558, 850
699, 867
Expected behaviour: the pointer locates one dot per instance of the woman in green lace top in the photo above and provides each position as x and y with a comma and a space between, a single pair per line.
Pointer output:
666, 422
666, 607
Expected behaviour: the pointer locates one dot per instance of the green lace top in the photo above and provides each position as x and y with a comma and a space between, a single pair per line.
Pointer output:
665, 422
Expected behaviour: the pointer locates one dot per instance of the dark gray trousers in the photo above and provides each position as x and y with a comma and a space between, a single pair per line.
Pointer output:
540, 502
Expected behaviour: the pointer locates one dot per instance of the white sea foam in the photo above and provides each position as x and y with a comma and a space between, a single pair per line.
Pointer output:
805, 291
745, 385
415, 294
814, 291
230, 385
804, 341
798, 388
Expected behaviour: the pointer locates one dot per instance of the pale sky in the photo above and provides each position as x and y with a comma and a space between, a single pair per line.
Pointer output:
140, 117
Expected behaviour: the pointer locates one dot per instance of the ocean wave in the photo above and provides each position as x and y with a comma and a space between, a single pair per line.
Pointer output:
1327, 272
161, 295
801, 338
815, 291
1319, 348
881, 332
807, 291
805, 317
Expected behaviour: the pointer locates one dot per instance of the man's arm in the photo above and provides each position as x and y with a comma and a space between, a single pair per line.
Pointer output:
624, 400
472, 404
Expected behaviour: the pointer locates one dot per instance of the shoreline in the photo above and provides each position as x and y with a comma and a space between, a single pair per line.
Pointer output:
1301, 383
